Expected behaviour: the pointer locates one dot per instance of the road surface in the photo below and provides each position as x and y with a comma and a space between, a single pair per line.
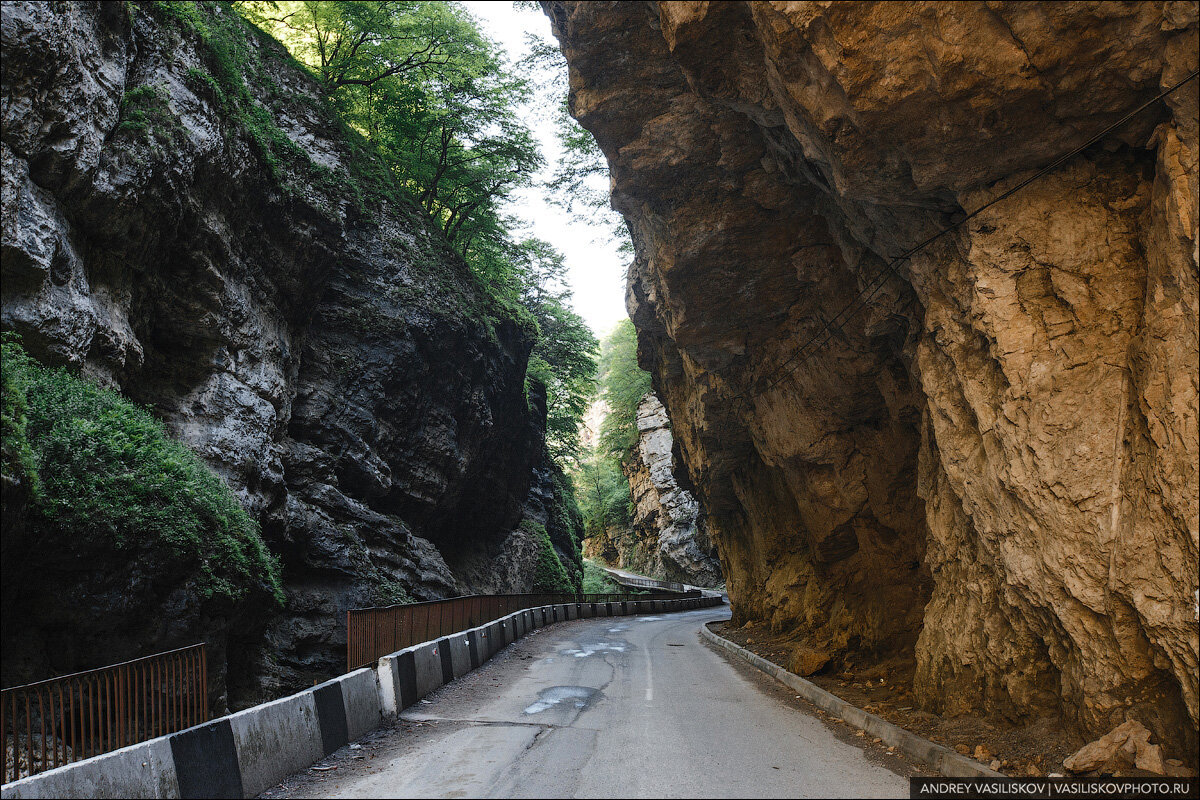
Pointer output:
609, 707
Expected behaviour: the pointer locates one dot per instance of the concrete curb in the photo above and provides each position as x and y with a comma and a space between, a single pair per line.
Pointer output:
942, 759
243, 754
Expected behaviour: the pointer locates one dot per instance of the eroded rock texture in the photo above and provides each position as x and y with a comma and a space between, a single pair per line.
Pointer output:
329, 355
668, 538
990, 463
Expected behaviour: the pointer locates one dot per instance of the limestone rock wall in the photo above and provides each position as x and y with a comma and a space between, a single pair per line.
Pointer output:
990, 465
329, 355
668, 538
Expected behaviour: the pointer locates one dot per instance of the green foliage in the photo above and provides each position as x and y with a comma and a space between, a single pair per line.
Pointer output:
225, 40
601, 484
549, 574
146, 113
389, 592
111, 475
564, 358
16, 456
603, 493
567, 520
623, 384
432, 94
597, 581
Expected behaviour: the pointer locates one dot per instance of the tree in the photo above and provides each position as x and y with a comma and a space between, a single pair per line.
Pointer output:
361, 44
579, 183
564, 358
603, 495
432, 93
623, 384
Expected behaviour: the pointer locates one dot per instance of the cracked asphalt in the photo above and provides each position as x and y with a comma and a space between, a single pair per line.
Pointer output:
610, 707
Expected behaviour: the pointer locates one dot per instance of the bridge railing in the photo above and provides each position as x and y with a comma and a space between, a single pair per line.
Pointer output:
54, 722
649, 583
372, 633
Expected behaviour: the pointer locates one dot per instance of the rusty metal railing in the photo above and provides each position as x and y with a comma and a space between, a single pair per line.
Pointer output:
54, 722
372, 633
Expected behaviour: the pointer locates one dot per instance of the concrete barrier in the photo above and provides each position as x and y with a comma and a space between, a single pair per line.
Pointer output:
141, 771
475, 647
206, 761
361, 696
495, 638
277, 739
507, 635
458, 649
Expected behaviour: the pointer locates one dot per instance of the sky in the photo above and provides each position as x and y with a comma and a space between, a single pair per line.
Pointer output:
595, 268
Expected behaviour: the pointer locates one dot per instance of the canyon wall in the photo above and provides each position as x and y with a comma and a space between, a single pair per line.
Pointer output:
668, 536
216, 254
985, 459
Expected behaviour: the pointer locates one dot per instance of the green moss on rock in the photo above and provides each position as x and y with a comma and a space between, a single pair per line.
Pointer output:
111, 478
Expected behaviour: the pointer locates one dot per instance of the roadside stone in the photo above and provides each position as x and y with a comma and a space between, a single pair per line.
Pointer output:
806, 660
1127, 745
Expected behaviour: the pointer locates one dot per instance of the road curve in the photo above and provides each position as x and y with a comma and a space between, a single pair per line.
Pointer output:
608, 707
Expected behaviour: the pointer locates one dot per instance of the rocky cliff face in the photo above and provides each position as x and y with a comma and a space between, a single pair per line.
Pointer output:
668, 538
990, 466
323, 349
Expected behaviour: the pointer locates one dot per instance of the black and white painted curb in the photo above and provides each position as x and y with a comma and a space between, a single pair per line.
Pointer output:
942, 759
244, 754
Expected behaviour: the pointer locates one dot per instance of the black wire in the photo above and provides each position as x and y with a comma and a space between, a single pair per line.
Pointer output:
880, 278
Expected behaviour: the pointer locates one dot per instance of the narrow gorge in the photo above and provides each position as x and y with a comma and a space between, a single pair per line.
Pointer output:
980, 461
667, 534
911, 370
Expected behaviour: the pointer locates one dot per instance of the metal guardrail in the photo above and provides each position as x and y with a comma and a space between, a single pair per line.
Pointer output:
54, 722
372, 633
648, 583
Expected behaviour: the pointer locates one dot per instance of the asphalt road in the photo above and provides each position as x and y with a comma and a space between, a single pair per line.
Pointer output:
610, 707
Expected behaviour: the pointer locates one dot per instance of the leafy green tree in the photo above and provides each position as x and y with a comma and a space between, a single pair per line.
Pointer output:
564, 358
623, 384
600, 481
433, 94
603, 494
361, 44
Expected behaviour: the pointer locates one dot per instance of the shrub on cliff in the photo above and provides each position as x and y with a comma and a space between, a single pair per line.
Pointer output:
110, 478
549, 574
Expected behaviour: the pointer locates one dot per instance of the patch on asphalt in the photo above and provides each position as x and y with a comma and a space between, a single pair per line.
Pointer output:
591, 648
578, 696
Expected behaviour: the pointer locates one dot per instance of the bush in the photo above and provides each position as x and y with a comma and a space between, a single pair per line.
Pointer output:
548, 574
109, 476
597, 581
